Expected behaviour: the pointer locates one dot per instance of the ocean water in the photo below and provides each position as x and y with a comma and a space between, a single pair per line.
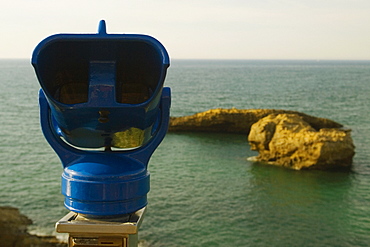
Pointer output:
204, 191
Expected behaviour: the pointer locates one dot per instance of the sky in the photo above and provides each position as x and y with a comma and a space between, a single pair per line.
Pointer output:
202, 29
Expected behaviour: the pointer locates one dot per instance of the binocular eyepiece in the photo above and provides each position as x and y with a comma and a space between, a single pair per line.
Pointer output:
103, 90
104, 111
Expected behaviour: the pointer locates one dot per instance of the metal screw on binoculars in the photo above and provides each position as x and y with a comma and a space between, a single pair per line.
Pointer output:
104, 111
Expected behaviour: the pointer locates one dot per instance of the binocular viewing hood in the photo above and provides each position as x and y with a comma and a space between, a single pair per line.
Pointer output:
103, 89
104, 111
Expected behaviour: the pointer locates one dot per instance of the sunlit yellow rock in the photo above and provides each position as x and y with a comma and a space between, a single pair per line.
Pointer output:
287, 140
237, 120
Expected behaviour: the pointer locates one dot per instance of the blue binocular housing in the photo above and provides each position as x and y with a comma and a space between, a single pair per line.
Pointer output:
104, 111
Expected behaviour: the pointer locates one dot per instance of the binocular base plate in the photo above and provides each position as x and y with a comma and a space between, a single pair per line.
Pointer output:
121, 231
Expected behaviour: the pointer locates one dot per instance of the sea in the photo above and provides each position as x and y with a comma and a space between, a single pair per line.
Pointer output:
204, 190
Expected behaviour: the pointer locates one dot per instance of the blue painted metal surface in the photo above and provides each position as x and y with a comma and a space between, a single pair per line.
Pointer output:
103, 90
93, 69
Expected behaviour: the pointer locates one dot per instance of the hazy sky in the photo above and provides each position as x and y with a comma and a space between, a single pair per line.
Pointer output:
209, 29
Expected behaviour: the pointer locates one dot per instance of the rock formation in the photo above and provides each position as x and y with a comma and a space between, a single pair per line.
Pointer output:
13, 231
237, 120
290, 141
286, 138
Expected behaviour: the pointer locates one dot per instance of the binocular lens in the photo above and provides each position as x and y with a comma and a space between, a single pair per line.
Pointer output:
73, 93
76, 93
133, 94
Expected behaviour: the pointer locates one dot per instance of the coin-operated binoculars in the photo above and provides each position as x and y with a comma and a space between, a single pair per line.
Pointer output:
104, 111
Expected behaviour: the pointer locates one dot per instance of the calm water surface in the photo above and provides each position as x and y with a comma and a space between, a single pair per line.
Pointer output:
203, 190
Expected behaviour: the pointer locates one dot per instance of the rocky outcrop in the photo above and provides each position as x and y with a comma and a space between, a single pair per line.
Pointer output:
237, 120
286, 138
13, 231
289, 140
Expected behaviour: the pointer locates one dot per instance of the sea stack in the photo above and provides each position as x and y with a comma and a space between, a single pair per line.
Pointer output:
285, 138
289, 141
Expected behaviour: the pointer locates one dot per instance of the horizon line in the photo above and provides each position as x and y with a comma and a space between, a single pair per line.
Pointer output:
241, 59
